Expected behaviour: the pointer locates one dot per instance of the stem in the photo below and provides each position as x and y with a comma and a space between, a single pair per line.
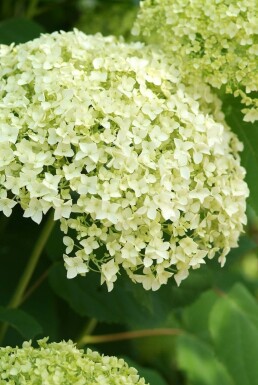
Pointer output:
128, 335
38, 282
218, 291
17, 298
33, 260
32, 9
6, 9
86, 332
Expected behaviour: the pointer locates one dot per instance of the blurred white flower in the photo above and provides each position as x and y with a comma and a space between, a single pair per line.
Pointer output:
211, 41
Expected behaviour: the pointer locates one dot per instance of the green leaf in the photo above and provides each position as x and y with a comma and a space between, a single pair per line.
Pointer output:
234, 328
42, 305
199, 362
21, 321
198, 281
88, 298
248, 135
127, 303
19, 30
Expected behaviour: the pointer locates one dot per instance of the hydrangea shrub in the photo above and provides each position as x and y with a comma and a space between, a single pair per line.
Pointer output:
215, 40
62, 363
142, 171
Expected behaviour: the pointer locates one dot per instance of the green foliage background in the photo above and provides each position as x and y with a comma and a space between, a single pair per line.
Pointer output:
212, 317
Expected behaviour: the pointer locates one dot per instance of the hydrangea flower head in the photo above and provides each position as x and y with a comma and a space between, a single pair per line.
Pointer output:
141, 174
216, 40
62, 363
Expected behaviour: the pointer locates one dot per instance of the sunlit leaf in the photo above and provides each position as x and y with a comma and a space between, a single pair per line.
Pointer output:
234, 328
199, 362
196, 316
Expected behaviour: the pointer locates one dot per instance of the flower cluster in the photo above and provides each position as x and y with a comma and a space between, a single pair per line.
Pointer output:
132, 162
213, 39
62, 363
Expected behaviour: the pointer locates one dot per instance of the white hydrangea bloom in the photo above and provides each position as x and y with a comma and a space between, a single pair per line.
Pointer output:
62, 363
213, 40
142, 171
